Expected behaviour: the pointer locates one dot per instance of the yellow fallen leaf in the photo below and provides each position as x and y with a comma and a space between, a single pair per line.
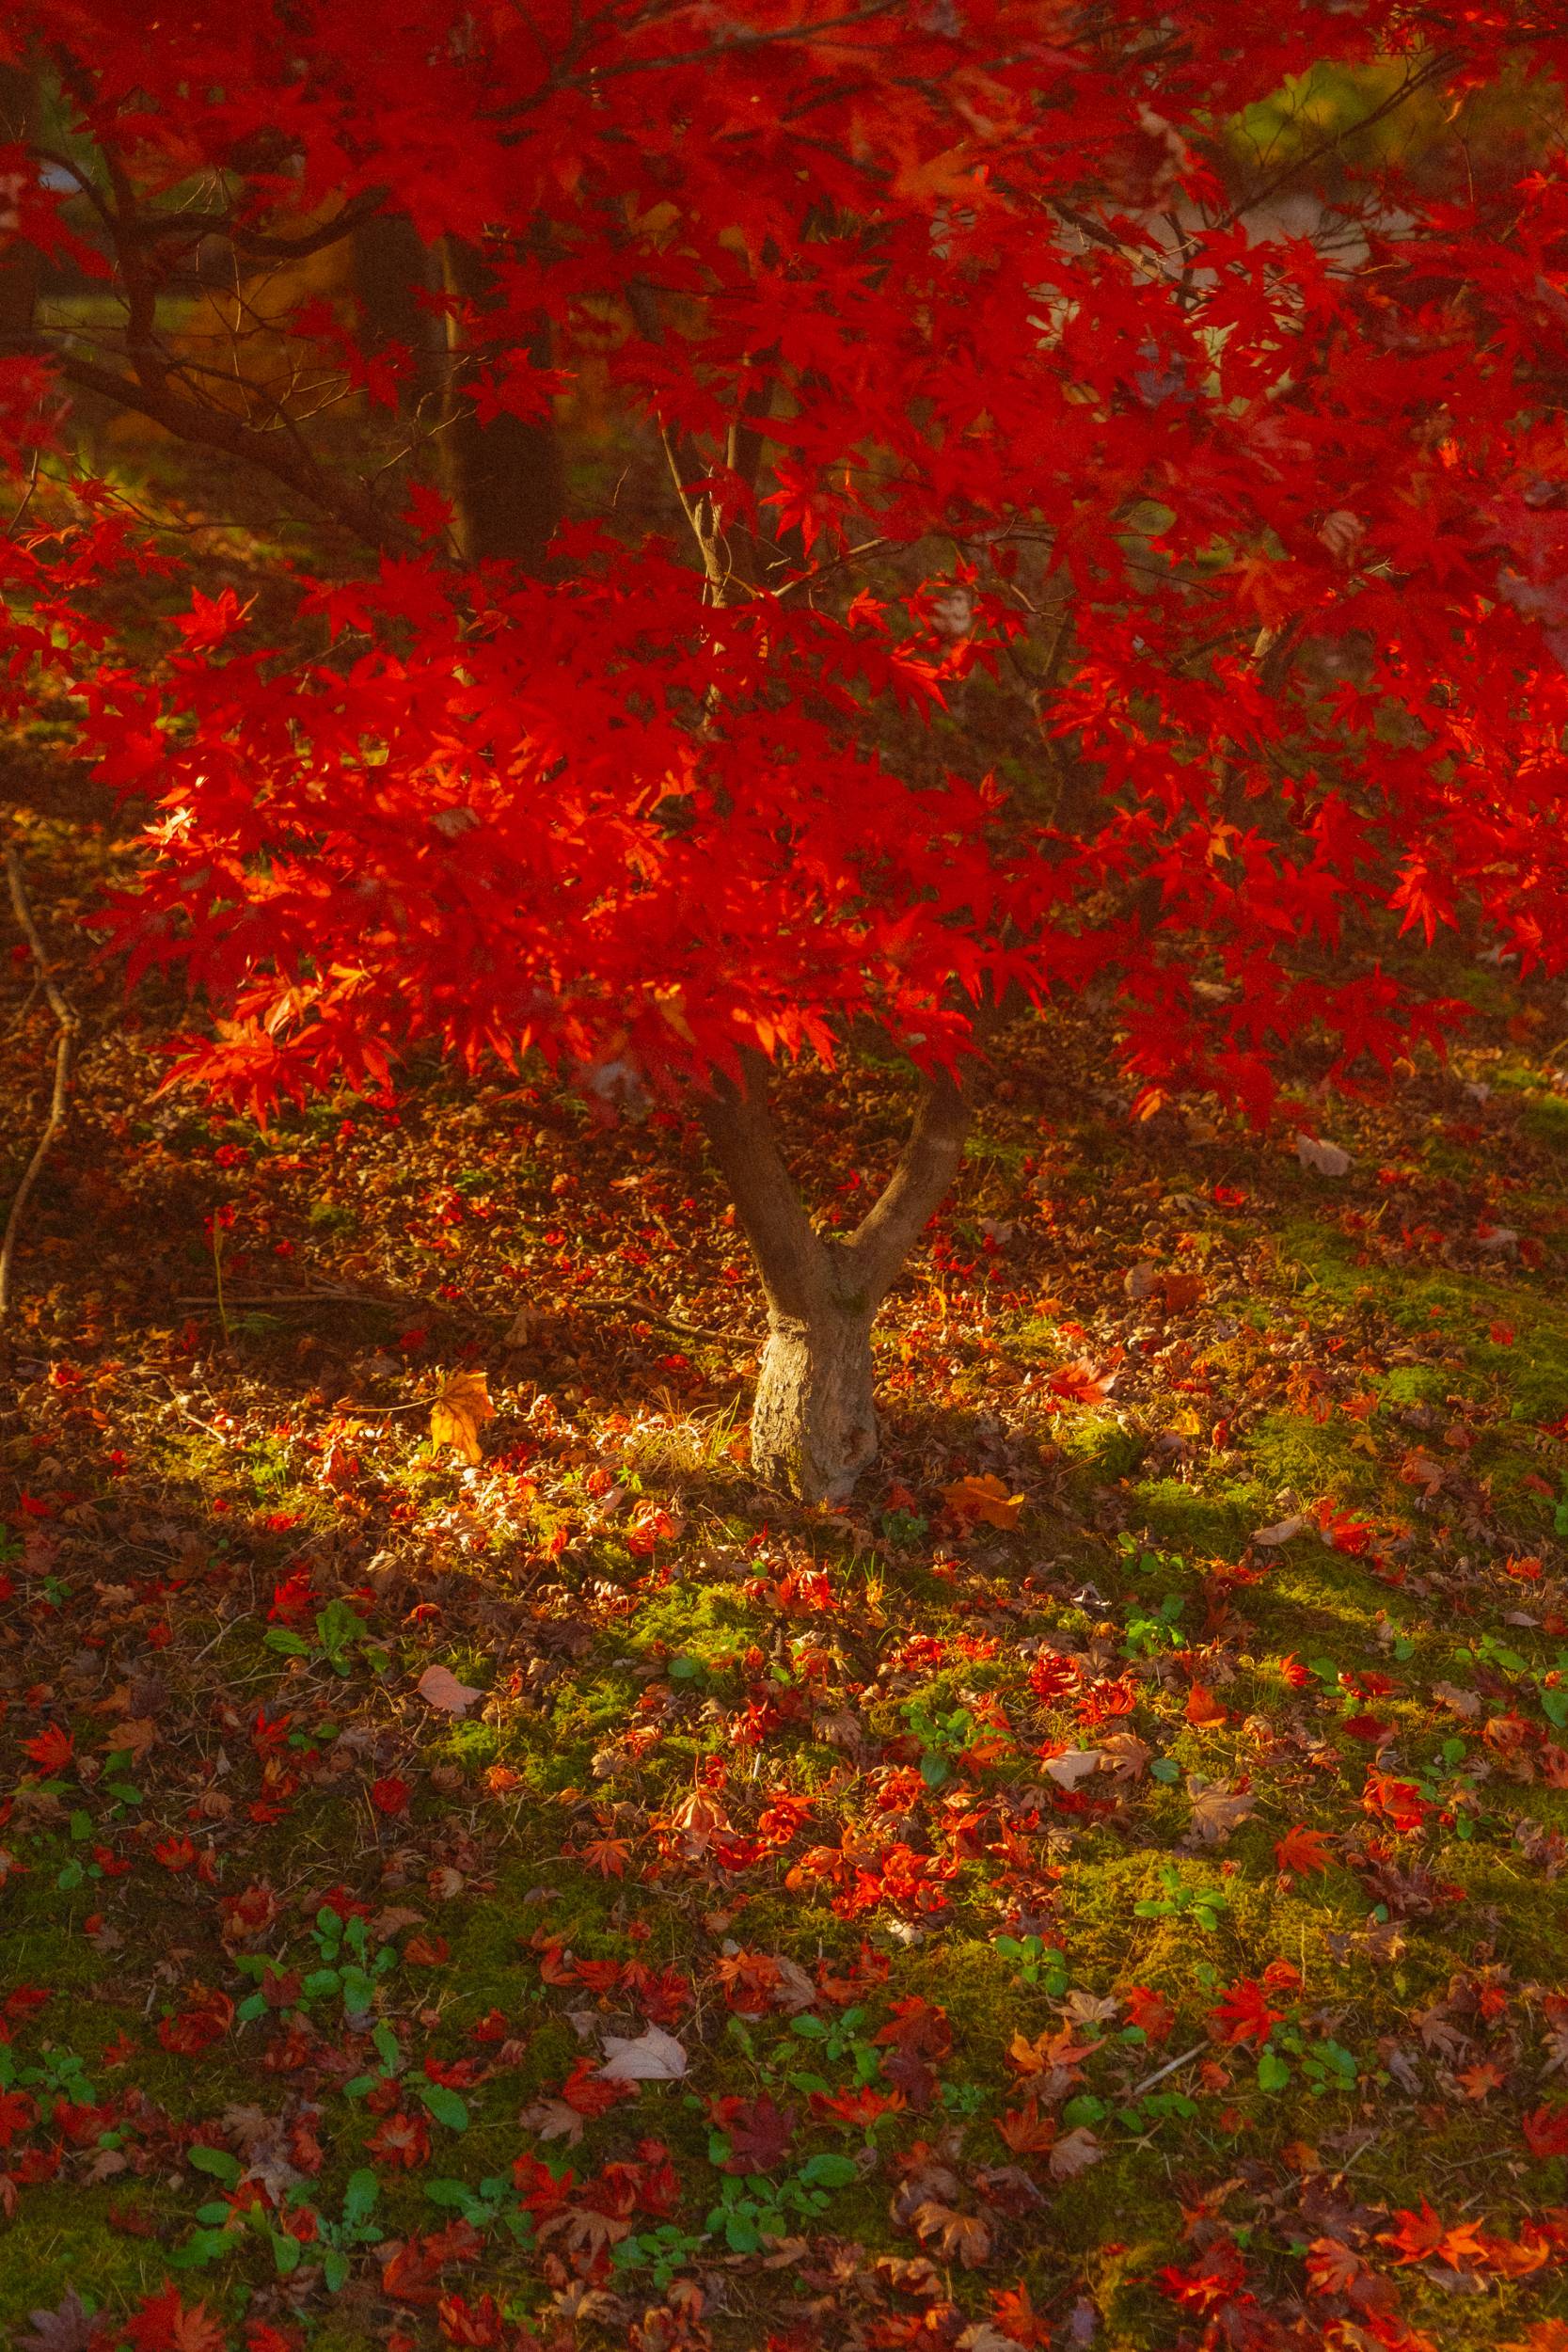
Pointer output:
459, 1412
985, 1498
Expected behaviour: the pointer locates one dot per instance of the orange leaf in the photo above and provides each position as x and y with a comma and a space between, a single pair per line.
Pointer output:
459, 1412
1415, 2236
986, 1499
1026, 2131
608, 1856
1304, 1851
1203, 1707
1181, 1293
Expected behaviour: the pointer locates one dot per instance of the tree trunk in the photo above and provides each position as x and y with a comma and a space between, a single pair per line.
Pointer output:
391, 269
814, 1418
504, 478
19, 258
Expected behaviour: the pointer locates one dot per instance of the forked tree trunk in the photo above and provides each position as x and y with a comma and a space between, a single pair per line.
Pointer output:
814, 1418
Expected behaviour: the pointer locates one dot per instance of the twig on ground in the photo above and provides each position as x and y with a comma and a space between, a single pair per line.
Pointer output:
638, 1308
68, 1023
1171, 2066
297, 1298
644, 1313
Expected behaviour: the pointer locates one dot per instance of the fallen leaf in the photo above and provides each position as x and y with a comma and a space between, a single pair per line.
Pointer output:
1090, 2009
1181, 1292
986, 1499
1067, 1770
69, 2328
1283, 1531
654, 2057
553, 2119
1325, 1159
439, 1686
1125, 1756
1026, 2131
1304, 1852
459, 1412
1074, 2154
955, 2235
1217, 1809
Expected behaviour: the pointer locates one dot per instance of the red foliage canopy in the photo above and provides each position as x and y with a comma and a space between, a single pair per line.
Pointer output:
979, 339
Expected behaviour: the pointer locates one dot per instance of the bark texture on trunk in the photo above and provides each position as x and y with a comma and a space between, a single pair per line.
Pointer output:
814, 1418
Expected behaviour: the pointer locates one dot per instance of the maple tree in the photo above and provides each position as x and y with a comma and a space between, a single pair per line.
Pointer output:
975, 349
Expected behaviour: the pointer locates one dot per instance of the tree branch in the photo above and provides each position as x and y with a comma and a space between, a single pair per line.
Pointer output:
796, 1271
65, 1050
211, 428
932, 1155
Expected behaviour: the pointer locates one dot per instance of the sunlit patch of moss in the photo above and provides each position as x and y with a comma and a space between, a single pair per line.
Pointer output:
473, 1745
704, 1621
1311, 1457
1098, 1447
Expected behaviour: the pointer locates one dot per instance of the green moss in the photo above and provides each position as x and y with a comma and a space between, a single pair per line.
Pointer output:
1100, 1447
1197, 1524
53, 2244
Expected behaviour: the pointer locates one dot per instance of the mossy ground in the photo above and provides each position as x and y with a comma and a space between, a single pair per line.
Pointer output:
1273, 1529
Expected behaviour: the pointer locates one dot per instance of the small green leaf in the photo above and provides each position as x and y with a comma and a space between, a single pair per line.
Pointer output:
1273, 2072
443, 2103
828, 2171
359, 2196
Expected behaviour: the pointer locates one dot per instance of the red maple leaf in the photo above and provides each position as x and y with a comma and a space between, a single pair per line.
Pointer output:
51, 1749
163, 2323
760, 2133
1243, 2015
1545, 2130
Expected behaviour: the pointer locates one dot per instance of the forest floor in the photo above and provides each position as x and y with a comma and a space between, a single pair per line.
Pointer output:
1107, 1886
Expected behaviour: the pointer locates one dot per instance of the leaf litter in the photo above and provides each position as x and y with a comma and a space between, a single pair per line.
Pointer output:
528, 1883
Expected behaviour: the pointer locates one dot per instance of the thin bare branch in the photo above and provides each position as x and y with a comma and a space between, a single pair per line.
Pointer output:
68, 1024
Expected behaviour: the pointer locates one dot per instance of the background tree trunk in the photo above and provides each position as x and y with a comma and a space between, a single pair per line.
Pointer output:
19, 259
504, 478
814, 1418
391, 270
